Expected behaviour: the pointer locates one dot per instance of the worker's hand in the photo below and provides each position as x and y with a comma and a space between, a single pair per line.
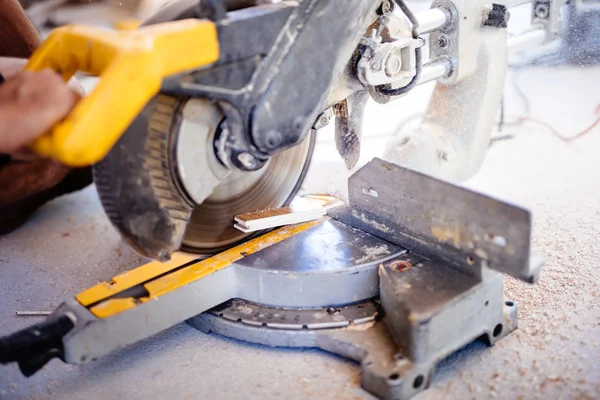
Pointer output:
30, 104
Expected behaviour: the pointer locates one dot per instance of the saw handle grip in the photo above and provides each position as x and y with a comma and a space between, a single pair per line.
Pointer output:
131, 66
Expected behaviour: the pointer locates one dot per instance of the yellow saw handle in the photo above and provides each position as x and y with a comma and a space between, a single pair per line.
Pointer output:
131, 66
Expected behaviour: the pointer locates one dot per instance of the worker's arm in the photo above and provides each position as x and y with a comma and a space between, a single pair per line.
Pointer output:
28, 181
29, 103
18, 36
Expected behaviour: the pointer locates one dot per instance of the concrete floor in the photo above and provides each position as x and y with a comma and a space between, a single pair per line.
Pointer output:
69, 245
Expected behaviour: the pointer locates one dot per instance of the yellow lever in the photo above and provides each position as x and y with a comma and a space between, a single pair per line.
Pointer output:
131, 66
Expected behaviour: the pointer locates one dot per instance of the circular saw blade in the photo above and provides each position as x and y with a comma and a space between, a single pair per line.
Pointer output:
211, 225
143, 198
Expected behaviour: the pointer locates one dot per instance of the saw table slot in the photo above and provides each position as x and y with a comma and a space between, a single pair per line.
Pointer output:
129, 279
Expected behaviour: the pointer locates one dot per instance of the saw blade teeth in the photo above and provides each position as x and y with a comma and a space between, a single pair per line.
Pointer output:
136, 187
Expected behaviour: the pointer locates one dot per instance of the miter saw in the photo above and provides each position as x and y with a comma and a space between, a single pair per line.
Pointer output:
219, 102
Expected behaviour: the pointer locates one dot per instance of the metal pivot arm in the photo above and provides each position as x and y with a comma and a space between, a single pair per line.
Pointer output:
273, 84
131, 66
385, 91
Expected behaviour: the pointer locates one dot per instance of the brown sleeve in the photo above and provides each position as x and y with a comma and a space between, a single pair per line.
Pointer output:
18, 36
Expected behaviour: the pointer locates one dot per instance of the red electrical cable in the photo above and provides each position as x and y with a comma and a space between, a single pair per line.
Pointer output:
560, 136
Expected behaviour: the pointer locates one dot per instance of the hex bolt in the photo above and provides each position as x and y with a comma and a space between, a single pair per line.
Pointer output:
322, 120
273, 139
387, 7
246, 159
443, 42
393, 64
541, 11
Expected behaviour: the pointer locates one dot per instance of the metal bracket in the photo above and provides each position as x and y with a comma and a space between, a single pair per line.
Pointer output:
445, 292
547, 13
388, 55
470, 231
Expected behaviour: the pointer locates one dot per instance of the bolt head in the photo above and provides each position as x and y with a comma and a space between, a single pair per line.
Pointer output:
163, 256
246, 159
387, 7
273, 139
443, 42
393, 65
541, 11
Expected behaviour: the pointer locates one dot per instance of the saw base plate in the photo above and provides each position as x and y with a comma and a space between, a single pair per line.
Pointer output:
410, 271
427, 329
330, 264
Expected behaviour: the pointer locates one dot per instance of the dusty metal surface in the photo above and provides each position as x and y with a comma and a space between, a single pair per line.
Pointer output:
432, 306
429, 312
331, 264
330, 246
435, 218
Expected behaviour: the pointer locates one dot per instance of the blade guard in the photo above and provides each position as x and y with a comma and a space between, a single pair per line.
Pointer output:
131, 66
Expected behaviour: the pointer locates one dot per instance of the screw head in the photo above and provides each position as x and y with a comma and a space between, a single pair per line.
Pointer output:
322, 121
541, 11
273, 139
393, 64
443, 42
163, 256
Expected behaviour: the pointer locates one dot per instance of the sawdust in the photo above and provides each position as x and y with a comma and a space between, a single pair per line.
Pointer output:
372, 253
